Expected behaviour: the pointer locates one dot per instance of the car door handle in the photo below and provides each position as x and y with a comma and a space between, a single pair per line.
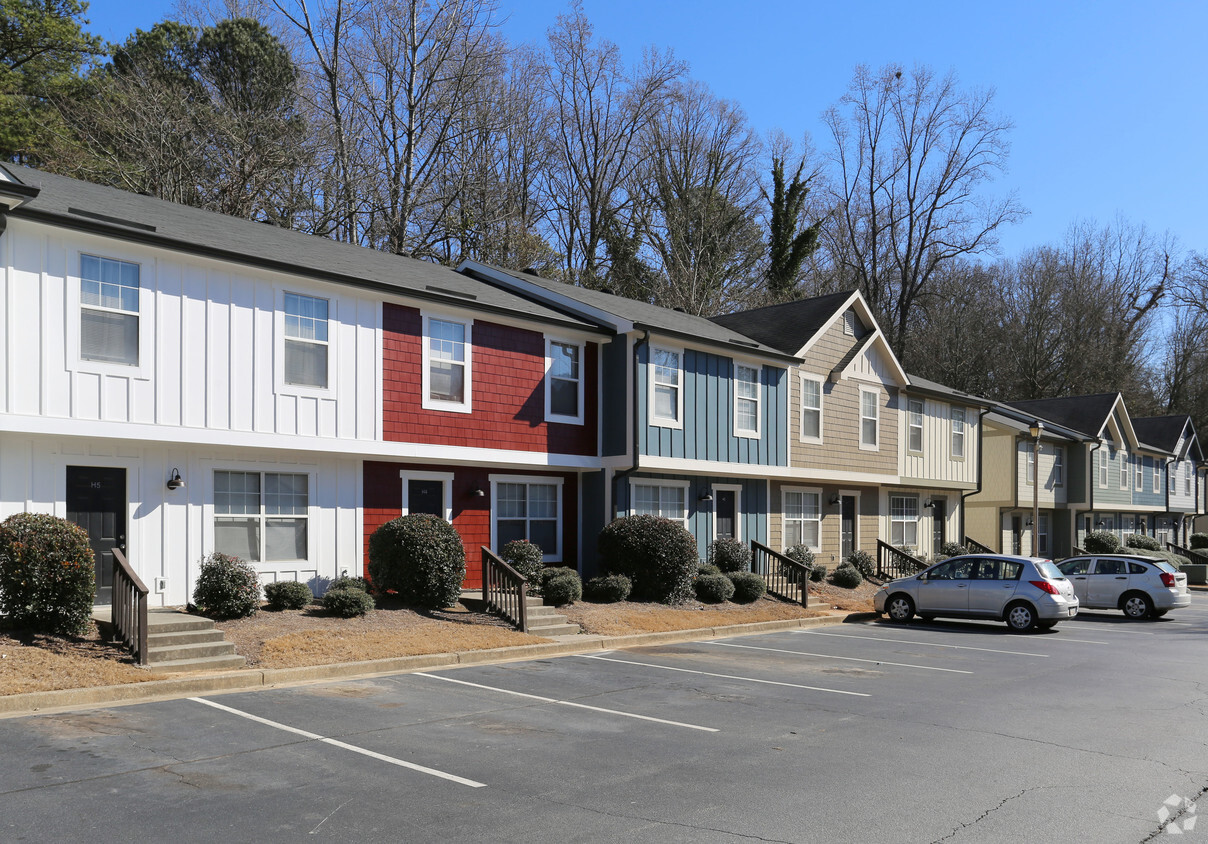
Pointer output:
1080, 578
961, 585
1121, 578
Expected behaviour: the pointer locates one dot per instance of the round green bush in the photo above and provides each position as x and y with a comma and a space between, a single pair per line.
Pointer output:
421, 558
818, 574
1101, 542
1140, 540
800, 554
227, 587
347, 602
562, 588
707, 568
846, 577
607, 589
748, 587
47, 576
346, 582
714, 589
525, 558
1199, 540
657, 555
952, 549
862, 562
728, 554
288, 595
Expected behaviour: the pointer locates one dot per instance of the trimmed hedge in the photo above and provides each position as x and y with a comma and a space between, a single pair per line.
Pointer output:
1199, 540
227, 587
657, 555
714, 589
748, 587
1140, 540
561, 586
728, 554
1101, 542
288, 595
846, 577
47, 575
862, 562
347, 602
607, 589
952, 549
818, 574
346, 582
800, 554
707, 568
419, 556
526, 558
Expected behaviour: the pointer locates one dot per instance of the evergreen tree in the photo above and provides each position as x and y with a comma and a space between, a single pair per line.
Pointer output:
788, 247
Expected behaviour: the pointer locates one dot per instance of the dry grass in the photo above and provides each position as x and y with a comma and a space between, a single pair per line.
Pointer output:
40, 663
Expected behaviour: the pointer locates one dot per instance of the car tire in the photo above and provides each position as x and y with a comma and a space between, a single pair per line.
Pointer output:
1136, 605
1020, 617
1046, 625
927, 617
1159, 613
899, 608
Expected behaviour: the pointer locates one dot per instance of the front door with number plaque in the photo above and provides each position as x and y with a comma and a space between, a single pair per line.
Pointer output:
96, 501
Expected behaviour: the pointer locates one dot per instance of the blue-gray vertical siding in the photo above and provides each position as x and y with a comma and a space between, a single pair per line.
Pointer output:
595, 517
614, 400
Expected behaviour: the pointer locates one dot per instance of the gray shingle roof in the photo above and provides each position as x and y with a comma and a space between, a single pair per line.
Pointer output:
1162, 431
926, 385
71, 203
1084, 414
788, 326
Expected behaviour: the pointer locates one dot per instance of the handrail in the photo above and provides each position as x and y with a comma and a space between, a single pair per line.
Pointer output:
893, 563
1192, 554
787, 579
976, 547
1077, 550
128, 610
504, 590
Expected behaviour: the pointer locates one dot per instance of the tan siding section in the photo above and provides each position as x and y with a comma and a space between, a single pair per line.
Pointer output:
867, 519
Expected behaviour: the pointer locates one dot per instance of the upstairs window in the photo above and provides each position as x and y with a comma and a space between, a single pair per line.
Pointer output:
1157, 474
564, 381
1186, 479
1059, 465
746, 400
914, 425
870, 406
667, 387
1123, 461
1030, 473
1140, 480
958, 432
1103, 468
109, 292
305, 340
811, 409
446, 376
1173, 477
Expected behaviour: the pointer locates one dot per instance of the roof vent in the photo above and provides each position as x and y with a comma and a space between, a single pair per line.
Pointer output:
531, 271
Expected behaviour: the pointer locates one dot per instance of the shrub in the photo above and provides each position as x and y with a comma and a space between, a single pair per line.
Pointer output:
524, 557
748, 587
714, 588
728, 554
420, 557
347, 602
227, 587
846, 576
47, 576
346, 582
707, 568
801, 554
657, 555
288, 595
608, 588
818, 573
1101, 542
561, 586
1199, 540
1140, 540
953, 549
862, 562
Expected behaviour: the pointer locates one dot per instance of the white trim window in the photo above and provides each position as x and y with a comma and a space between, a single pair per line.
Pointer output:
262, 516
447, 375
1172, 479
1042, 536
802, 518
1124, 463
811, 409
746, 400
306, 340
870, 410
1186, 479
958, 433
914, 425
1157, 473
1058, 465
666, 387
1140, 475
109, 310
1102, 468
904, 521
526, 507
1030, 462
667, 500
563, 381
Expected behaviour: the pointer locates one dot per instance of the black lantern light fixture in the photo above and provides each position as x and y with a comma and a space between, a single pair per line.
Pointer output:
176, 481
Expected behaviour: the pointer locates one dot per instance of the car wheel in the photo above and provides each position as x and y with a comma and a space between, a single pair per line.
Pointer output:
1021, 617
900, 608
1136, 605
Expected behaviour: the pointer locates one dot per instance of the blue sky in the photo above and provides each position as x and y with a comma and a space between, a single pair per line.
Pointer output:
1109, 99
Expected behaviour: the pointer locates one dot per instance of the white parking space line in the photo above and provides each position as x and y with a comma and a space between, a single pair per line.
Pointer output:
568, 703
928, 644
846, 658
723, 676
337, 743
1107, 627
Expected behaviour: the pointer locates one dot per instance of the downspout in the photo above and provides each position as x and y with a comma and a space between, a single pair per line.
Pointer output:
645, 341
980, 441
1093, 467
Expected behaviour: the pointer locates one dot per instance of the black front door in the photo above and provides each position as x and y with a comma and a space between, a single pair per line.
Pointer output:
939, 518
847, 527
1016, 534
426, 497
96, 501
724, 512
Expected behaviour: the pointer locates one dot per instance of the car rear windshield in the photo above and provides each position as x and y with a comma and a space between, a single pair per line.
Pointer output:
1166, 567
1049, 570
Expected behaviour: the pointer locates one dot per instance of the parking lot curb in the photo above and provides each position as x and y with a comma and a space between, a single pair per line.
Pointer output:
260, 678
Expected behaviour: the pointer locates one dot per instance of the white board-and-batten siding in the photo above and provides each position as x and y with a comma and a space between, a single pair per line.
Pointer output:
936, 462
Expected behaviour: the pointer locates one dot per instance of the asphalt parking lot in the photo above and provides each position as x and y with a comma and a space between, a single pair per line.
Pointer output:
856, 732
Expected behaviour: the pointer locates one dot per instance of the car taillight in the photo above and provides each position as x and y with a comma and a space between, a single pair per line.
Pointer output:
1045, 585
1167, 579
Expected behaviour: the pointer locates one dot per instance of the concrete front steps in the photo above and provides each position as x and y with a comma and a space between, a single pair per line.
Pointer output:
542, 620
177, 641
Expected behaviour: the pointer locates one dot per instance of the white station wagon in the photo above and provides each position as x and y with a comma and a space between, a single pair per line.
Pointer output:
1143, 587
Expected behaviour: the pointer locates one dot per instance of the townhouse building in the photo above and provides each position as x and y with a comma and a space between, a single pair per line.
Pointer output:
1176, 436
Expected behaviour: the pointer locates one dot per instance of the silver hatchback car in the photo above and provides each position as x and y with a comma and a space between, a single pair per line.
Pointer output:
1143, 587
1025, 592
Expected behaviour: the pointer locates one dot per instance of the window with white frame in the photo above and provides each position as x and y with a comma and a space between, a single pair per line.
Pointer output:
1157, 475
870, 408
668, 501
447, 365
1173, 477
802, 518
1186, 479
811, 409
1042, 536
564, 381
746, 400
914, 425
1030, 463
109, 294
958, 432
1151, 468
528, 509
667, 389
1140, 479
1058, 465
904, 520
1103, 468
1123, 463
305, 340
261, 516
